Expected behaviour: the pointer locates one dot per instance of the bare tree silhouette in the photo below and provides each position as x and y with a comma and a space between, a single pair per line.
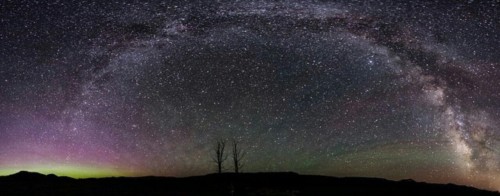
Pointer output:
219, 156
238, 155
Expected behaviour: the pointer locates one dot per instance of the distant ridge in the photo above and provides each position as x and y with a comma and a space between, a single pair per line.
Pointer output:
26, 175
286, 183
34, 176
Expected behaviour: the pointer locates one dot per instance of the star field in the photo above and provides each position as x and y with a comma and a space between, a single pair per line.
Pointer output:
385, 89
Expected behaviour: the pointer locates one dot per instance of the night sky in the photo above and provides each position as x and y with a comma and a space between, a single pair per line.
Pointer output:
384, 89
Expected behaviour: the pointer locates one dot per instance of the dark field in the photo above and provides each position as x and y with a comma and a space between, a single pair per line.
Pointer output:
26, 183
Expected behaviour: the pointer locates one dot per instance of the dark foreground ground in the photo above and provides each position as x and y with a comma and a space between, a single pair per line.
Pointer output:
26, 183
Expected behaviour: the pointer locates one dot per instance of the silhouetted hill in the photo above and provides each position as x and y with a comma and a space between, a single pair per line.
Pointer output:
28, 183
26, 176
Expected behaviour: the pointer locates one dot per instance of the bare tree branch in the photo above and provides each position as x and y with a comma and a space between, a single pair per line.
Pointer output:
238, 155
219, 156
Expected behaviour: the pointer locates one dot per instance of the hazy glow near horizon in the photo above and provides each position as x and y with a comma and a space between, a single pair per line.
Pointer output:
74, 171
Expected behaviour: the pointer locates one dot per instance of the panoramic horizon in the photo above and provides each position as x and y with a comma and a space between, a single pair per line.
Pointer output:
377, 88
